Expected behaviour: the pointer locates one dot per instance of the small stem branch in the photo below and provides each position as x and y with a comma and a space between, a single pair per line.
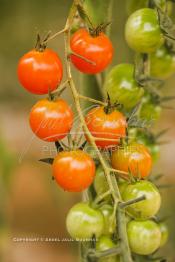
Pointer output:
132, 201
92, 100
106, 253
82, 57
101, 197
55, 35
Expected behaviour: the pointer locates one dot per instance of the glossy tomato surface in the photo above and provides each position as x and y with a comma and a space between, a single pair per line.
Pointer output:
133, 5
103, 125
144, 236
134, 158
162, 63
150, 143
51, 120
100, 182
142, 31
110, 223
98, 50
105, 243
83, 222
146, 208
39, 72
164, 233
122, 87
74, 171
150, 111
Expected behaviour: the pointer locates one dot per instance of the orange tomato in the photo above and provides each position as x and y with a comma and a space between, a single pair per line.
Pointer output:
51, 120
103, 125
74, 171
134, 158
40, 71
98, 50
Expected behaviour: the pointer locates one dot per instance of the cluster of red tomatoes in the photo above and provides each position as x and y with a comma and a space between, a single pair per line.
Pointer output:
51, 119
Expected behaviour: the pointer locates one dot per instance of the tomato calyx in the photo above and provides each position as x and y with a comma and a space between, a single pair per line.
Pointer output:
94, 31
41, 43
111, 107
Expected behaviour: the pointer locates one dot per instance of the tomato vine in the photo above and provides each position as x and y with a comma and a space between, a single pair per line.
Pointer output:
123, 177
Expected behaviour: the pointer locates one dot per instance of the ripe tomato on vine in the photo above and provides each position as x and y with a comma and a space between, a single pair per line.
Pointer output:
74, 171
51, 120
97, 49
40, 71
103, 124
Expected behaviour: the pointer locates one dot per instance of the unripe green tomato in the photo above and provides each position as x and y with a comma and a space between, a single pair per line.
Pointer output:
105, 243
162, 63
110, 223
164, 233
153, 147
83, 222
149, 111
147, 208
122, 186
122, 87
142, 31
133, 5
100, 182
144, 236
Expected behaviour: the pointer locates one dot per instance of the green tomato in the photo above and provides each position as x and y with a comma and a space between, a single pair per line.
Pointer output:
162, 63
142, 31
122, 87
110, 224
146, 208
144, 236
100, 182
122, 186
149, 111
133, 5
83, 222
164, 233
153, 147
105, 243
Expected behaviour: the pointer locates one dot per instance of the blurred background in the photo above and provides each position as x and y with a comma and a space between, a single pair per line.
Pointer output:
31, 204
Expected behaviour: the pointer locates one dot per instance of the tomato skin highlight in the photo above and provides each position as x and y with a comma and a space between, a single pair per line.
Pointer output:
74, 171
51, 120
144, 236
147, 208
102, 125
134, 158
122, 87
83, 222
98, 49
100, 182
107, 211
142, 31
164, 233
39, 72
162, 63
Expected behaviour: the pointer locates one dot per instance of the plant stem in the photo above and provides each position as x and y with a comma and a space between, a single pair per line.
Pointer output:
111, 180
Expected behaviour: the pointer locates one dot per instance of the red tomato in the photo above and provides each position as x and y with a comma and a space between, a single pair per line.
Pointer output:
51, 120
134, 158
97, 49
39, 71
103, 125
74, 171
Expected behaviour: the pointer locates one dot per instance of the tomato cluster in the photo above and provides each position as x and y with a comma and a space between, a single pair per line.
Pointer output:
40, 71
